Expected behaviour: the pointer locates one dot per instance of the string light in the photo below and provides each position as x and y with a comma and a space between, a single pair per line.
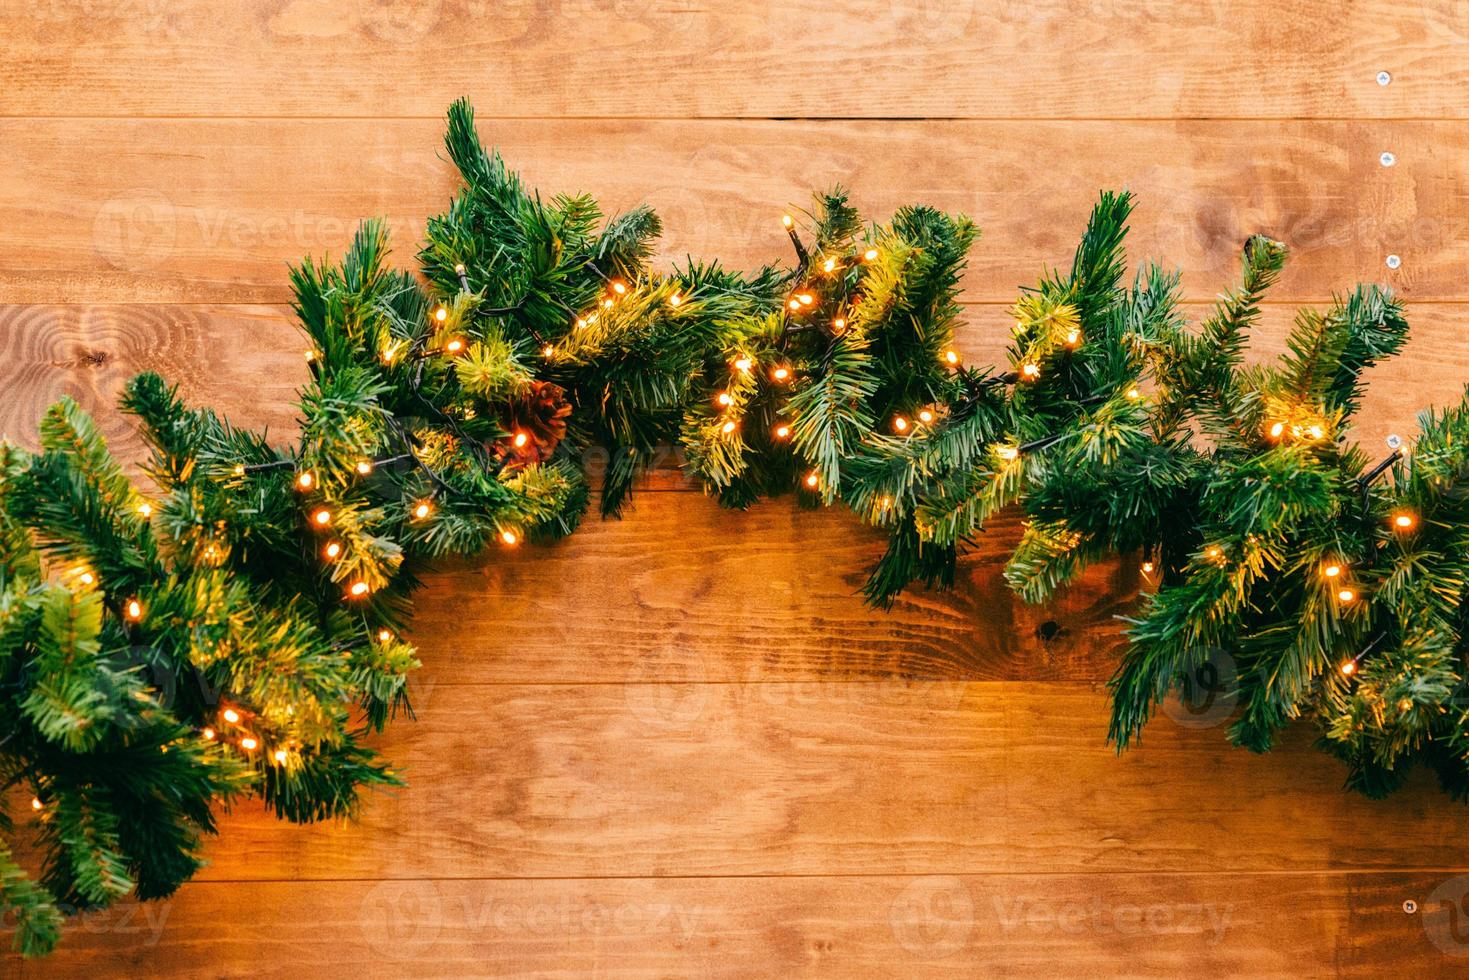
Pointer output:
459, 269
384, 636
829, 265
1349, 668
1316, 432
1148, 567
358, 589
281, 756
390, 353
1073, 338
239, 469
780, 374
952, 356
794, 304
1277, 430
322, 517
332, 550
805, 299
619, 287
744, 364
787, 221
1331, 571
85, 577
727, 428
925, 416
1346, 595
1031, 371
813, 479
1403, 520
839, 323
606, 304
580, 323
1007, 452
454, 346
208, 734
231, 715
304, 480
723, 398
782, 432
422, 509
36, 803
134, 610
510, 537
249, 744
549, 351
310, 356
675, 300
870, 255
900, 423
1214, 553
441, 314
520, 440
146, 509
1133, 394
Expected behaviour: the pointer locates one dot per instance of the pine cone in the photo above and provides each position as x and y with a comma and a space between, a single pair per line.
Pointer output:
536, 422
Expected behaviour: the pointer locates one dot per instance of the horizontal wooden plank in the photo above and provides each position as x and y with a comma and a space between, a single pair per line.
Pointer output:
212, 211
676, 58
673, 778
1281, 925
680, 590
245, 360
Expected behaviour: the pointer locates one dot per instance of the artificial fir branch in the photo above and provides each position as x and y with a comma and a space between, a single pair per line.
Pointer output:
236, 627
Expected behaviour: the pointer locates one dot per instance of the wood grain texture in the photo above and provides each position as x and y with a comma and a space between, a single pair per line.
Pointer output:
681, 59
672, 777
677, 745
1279, 925
212, 211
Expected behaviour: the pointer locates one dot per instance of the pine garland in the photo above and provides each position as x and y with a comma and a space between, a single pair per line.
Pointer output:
236, 629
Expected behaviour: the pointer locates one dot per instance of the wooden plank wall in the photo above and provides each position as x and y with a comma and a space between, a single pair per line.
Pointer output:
676, 744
